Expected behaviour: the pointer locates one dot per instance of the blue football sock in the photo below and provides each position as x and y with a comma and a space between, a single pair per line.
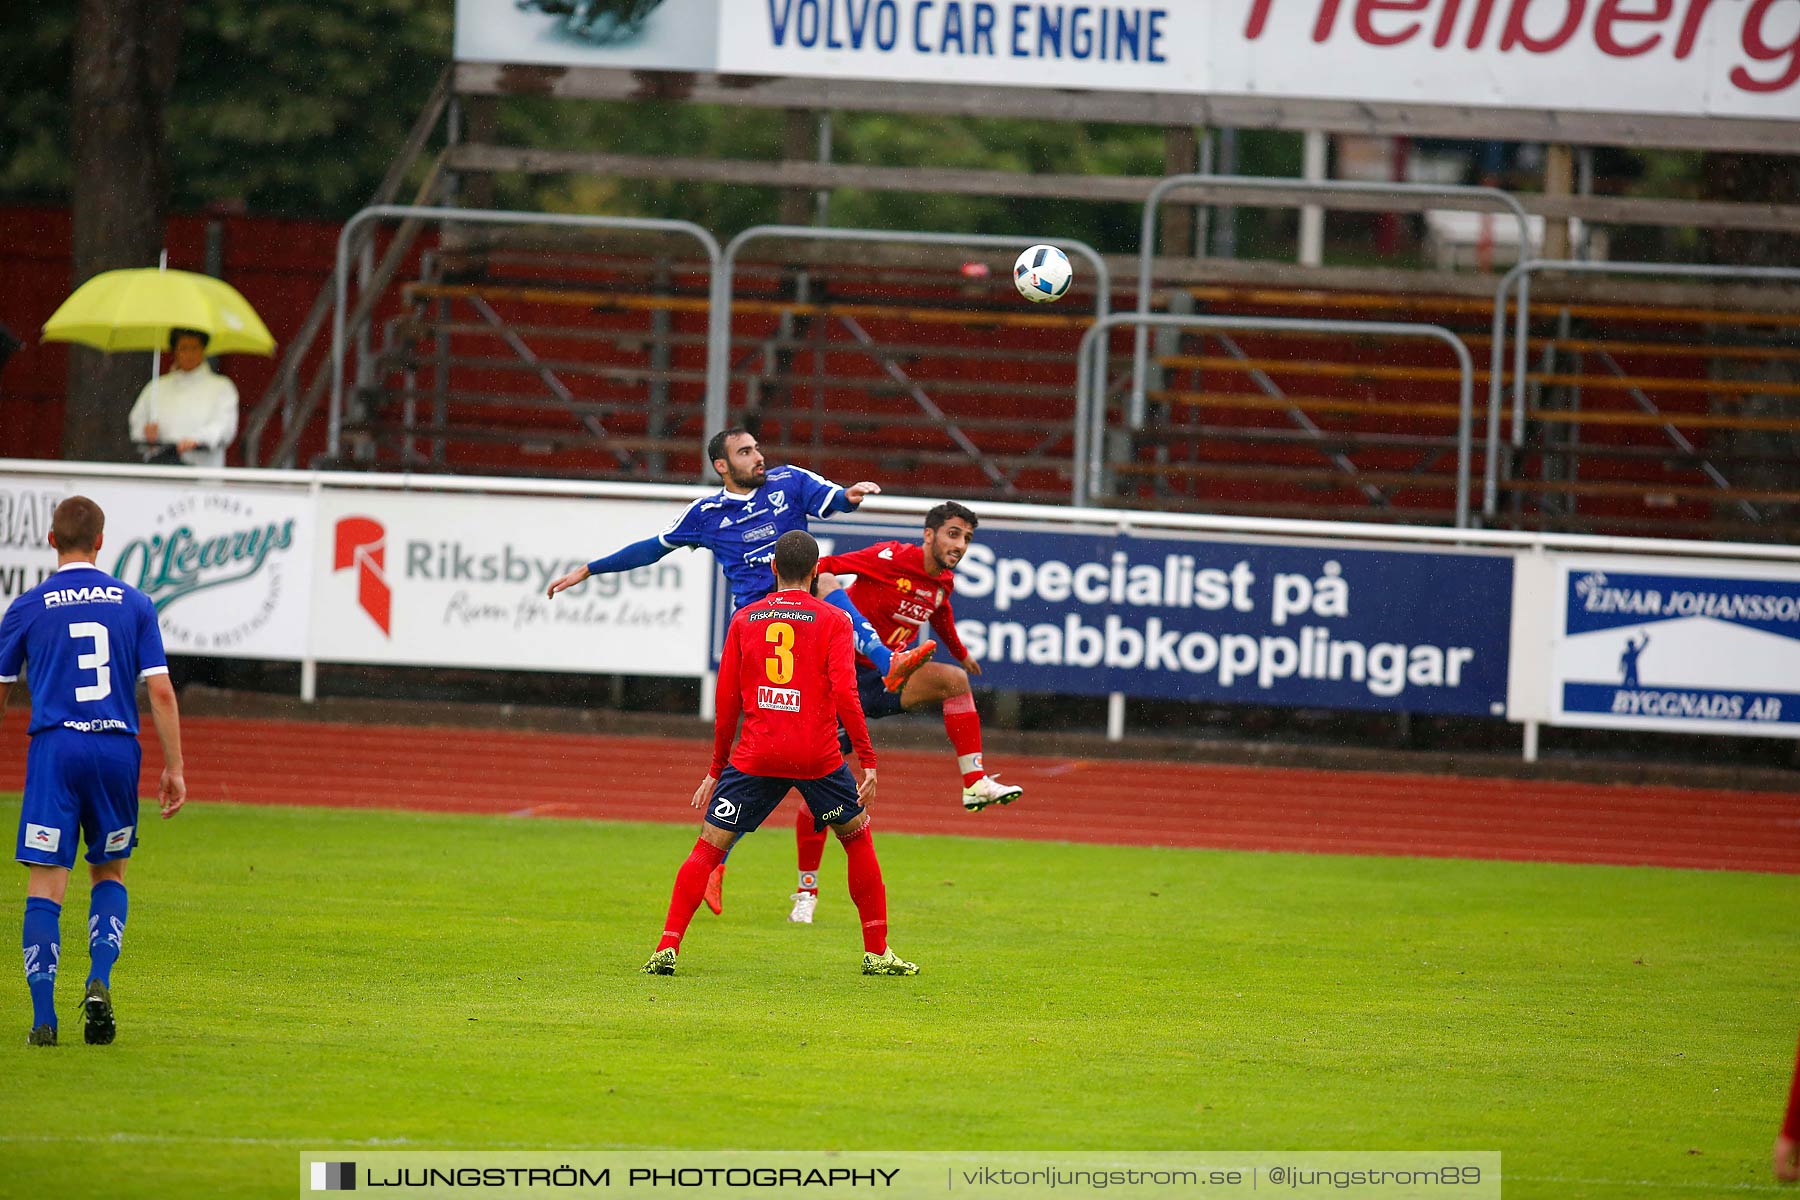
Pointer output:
106, 928
867, 643
43, 950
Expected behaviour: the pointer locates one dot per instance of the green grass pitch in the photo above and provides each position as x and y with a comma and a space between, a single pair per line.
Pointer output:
308, 979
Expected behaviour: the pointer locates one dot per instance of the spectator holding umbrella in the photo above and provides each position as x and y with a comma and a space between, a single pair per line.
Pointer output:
191, 414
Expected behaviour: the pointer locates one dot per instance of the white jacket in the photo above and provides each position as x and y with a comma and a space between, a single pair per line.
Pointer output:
198, 405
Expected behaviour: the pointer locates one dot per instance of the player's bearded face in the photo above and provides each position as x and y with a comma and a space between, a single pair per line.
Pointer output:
747, 476
744, 464
948, 542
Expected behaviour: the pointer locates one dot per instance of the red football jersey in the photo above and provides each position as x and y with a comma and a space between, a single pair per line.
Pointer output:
789, 670
893, 591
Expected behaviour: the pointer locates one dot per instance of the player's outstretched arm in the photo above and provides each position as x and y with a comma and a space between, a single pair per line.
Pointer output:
165, 714
563, 583
638, 554
840, 671
12, 650
728, 704
943, 623
821, 497
703, 793
866, 561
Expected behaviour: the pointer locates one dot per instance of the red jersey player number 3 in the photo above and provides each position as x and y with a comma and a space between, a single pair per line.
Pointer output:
788, 674
789, 670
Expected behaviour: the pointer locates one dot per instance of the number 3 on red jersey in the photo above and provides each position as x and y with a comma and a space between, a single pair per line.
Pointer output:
780, 663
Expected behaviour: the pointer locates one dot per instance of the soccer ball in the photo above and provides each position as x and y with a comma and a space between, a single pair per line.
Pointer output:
1043, 273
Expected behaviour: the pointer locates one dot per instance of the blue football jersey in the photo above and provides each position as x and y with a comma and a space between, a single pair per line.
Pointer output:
741, 530
87, 639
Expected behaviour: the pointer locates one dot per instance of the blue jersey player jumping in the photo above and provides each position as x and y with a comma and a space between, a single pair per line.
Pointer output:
740, 524
86, 639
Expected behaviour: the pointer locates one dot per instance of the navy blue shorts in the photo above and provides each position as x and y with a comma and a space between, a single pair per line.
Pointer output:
742, 802
79, 781
877, 701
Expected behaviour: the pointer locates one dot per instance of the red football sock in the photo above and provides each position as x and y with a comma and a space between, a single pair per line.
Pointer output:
963, 724
690, 886
809, 849
867, 889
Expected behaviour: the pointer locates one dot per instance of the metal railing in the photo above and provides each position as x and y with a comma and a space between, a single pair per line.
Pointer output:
1090, 382
718, 357
284, 392
998, 511
1521, 275
1252, 183
469, 216
1089, 460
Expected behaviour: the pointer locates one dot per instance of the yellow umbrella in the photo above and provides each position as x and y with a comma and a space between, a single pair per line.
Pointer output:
136, 309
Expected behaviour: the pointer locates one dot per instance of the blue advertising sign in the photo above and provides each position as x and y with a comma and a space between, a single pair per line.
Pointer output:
1651, 644
1245, 622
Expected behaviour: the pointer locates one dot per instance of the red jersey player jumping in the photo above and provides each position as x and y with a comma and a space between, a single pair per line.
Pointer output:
901, 587
787, 669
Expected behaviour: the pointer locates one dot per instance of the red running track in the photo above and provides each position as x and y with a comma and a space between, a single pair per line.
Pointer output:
1123, 802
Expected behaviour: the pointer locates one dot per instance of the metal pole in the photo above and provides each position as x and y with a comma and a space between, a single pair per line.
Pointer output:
822, 198
379, 212
1225, 241
1490, 486
1089, 409
309, 666
1115, 716
1312, 217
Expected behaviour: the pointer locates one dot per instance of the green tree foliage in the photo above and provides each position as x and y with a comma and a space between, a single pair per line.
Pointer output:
34, 103
650, 129
300, 106
294, 106
875, 139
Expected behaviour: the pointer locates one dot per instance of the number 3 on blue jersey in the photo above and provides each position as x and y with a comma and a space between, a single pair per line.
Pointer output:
97, 661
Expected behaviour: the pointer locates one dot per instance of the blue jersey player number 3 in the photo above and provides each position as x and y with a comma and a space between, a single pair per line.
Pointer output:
83, 640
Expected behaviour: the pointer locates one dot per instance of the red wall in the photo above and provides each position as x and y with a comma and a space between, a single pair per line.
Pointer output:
278, 264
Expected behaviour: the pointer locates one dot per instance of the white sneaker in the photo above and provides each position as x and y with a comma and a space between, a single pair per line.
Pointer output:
804, 904
989, 790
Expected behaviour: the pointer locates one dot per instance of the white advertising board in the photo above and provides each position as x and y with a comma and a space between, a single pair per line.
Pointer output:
675, 35
26, 559
459, 581
1644, 643
228, 566
1737, 58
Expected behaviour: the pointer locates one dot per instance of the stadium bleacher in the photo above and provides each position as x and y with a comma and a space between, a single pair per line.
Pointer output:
521, 355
